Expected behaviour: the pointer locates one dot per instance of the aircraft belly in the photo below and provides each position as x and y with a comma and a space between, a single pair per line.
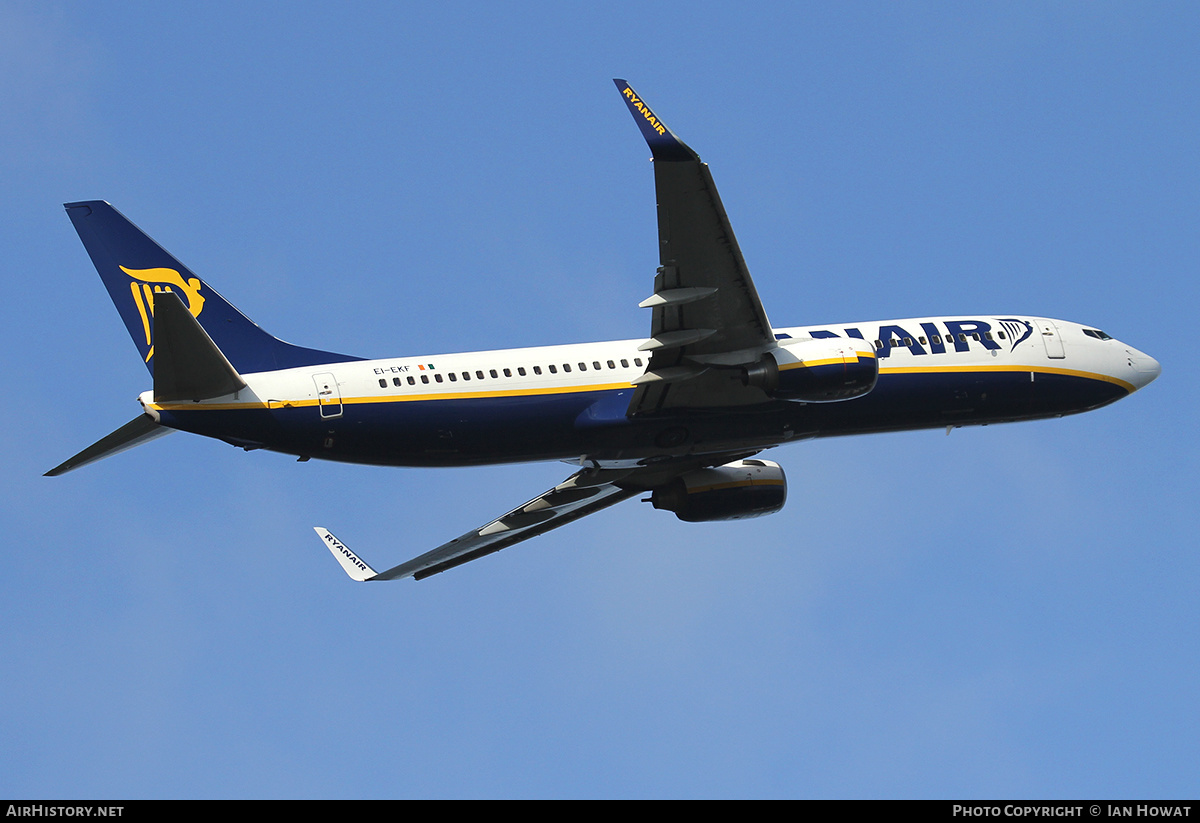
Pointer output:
473, 431
419, 433
930, 399
249, 426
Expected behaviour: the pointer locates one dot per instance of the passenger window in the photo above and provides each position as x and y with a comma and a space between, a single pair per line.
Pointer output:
583, 366
937, 340
566, 367
611, 365
553, 369
395, 381
478, 375
521, 371
382, 383
453, 377
537, 369
466, 375
508, 372
596, 365
908, 341
624, 364
424, 378
637, 361
492, 372
411, 381
438, 377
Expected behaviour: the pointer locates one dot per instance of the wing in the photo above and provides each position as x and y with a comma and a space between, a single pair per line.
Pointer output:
708, 325
584, 492
707, 320
578, 496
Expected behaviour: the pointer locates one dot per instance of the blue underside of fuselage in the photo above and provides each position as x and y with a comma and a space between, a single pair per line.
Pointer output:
457, 432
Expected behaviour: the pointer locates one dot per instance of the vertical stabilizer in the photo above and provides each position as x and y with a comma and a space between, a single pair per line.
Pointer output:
135, 269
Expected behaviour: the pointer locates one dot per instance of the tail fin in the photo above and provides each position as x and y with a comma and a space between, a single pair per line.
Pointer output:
134, 269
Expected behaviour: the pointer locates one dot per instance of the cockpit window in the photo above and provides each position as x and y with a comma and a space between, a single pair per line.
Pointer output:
1096, 333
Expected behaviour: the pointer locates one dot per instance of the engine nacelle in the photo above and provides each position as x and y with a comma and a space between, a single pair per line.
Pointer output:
816, 370
735, 491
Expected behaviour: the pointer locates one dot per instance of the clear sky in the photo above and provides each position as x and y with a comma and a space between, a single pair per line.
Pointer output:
1008, 611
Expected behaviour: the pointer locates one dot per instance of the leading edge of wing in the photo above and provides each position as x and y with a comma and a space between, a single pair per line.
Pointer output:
578, 496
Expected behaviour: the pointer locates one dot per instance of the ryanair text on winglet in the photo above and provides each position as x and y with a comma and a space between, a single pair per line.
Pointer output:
645, 110
345, 550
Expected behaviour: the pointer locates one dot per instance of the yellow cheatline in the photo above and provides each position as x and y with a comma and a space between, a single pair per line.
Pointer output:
1011, 368
282, 404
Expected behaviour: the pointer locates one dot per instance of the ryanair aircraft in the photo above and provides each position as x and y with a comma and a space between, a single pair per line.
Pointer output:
679, 416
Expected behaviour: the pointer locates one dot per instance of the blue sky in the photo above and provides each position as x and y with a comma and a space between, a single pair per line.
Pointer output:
1007, 611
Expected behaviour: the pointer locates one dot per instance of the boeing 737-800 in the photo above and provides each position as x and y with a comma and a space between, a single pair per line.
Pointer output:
679, 416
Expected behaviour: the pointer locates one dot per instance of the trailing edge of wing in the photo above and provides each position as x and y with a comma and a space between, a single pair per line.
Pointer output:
578, 496
141, 429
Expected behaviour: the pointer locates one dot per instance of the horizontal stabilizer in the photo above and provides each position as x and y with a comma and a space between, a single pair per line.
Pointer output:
190, 366
134, 433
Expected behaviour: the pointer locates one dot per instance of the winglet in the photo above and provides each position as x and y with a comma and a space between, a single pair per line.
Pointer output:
351, 562
662, 141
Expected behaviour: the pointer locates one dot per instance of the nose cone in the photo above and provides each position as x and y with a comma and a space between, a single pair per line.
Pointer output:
1143, 369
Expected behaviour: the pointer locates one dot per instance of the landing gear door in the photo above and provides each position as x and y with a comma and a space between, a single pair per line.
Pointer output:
329, 399
1051, 339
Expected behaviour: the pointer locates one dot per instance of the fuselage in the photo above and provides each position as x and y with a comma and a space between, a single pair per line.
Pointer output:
570, 401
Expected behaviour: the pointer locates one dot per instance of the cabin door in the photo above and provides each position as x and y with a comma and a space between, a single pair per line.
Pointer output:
1051, 339
329, 399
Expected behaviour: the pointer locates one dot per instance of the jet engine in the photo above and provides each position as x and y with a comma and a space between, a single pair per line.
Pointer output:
735, 491
816, 370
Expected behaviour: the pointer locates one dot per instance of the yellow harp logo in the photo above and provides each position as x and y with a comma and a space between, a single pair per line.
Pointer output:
148, 282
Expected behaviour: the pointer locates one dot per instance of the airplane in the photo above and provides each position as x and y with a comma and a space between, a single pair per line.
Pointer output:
680, 416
